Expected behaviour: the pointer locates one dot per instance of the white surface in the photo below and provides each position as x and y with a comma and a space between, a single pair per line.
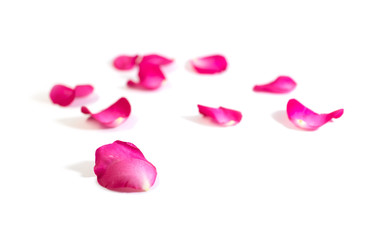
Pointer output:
261, 179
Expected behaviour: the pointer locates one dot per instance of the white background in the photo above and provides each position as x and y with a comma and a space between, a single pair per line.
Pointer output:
261, 179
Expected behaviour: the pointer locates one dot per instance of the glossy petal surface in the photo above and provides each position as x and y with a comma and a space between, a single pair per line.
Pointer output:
305, 118
209, 64
124, 62
282, 84
114, 115
221, 116
156, 59
150, 77
121, 166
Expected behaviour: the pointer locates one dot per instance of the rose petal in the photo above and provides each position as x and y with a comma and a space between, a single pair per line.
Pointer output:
222, 116
62, 95
124, 62
156, 59
306, 119
114, 115
282, 84
150, 77
83, 90
121, 166
210, 64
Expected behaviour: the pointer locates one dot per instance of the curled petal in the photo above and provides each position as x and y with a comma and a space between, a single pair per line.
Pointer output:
222, 116
305, 118
121, 166
114, 115
282, 84
125, 62
150, 77
156, 60
210, 64
64, 96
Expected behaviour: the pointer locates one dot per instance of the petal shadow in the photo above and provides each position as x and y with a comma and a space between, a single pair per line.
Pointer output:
282, 118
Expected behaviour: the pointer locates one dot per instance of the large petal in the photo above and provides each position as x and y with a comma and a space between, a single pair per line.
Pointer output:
305, 118
209, 64
121, 166
125, 62
62, 95
282, 84
150, 77
156, 59
221, 116
114, 115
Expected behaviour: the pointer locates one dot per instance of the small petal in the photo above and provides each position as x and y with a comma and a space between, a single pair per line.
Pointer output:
222, 116
282, 84
121, 166
62, 95
210, 64
306, 119
124, 62
150, 77
114, 115
83, 90
156, 60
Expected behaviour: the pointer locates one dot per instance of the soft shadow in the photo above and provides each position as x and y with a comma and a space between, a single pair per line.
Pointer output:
189, 67
198, 119
85, 123
82, 101
42, 97
85, 168
282, 118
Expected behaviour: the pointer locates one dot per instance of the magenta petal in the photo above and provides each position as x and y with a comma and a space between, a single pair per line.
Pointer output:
282, 84
305, 118
114, 115
210, 64
156, 60
62, 95
83, 90
222, 116
150, 77
121, 166
125, 62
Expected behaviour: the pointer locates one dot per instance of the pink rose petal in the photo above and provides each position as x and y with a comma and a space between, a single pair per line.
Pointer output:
282, 84
210, 64
305, 118
125, 62
64, 96
114, 115
156, 59
150, 77
121, 166
222, 116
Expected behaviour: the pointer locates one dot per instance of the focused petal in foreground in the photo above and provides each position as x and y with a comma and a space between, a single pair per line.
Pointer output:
306, 119
282, 84
156, 59
209, 65
114, 115
221, 116
150, 77
121, 166
64, 96
125, 62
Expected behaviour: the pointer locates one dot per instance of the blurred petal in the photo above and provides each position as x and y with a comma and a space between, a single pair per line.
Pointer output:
121, 166
125, 62
62, 95
150, 77
83, 90
282, 84
156, 60
222, 116
306, 119
210, 64
114, 115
